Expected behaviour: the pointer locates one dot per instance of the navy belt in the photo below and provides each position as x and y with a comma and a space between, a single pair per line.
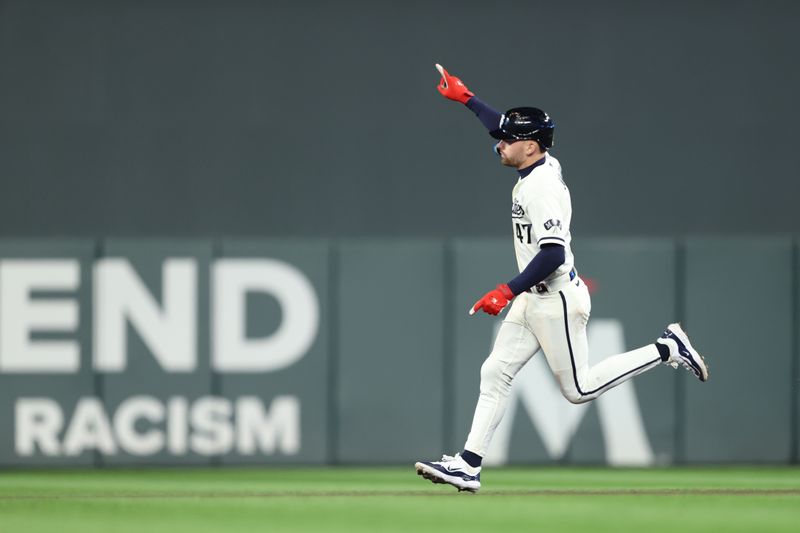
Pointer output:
542, 287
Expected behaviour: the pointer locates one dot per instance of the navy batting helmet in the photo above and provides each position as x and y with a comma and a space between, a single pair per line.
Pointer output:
526, 123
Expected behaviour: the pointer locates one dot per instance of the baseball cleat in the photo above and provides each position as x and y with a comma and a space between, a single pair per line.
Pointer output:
453, 471
681, 351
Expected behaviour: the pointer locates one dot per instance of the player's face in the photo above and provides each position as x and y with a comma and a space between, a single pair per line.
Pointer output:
514, 153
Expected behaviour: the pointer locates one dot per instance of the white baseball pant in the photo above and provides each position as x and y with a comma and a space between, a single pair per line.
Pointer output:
554, 321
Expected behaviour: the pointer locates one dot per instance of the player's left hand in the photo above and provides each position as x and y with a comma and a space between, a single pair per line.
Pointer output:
494, 301
453, 88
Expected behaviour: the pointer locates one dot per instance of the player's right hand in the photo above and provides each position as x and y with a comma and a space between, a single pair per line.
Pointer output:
452, 87
494, 301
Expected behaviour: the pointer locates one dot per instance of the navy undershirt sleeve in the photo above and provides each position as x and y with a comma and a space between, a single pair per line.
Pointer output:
549, 258
488, 116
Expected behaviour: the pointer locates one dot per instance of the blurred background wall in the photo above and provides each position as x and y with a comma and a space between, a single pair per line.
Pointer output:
311, 118
311, 133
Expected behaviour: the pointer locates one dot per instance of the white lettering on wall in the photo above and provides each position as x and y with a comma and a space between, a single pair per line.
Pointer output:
259, 431
169, 330
38, 423
145, 426
130, 411
213, 434
232, 280
21, 314
168, 327
89, 429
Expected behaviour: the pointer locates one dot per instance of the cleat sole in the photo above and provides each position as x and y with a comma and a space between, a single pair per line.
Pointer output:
430, 474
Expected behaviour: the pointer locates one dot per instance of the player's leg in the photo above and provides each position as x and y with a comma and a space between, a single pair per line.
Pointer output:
560, 325
513, 347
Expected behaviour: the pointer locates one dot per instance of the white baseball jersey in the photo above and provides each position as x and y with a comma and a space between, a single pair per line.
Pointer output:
541, 213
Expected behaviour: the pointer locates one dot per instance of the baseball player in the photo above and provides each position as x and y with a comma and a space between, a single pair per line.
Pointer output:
549, 303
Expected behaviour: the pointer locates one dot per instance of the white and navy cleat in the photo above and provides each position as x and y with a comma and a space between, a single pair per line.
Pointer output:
681, 352
451, 470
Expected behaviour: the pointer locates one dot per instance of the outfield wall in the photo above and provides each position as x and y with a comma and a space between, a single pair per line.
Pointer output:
124, 352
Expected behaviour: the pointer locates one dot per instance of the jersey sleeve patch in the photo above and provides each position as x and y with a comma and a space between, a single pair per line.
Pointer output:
552, 223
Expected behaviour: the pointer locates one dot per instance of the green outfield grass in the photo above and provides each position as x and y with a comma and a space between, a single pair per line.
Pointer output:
551, 500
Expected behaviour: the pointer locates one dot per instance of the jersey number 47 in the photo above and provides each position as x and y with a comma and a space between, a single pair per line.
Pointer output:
522, 231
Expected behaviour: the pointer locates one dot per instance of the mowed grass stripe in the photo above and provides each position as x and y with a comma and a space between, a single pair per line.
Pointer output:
161, 495
178, 500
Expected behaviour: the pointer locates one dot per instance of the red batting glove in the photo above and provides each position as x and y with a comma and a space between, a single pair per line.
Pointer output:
494, 301
452, 87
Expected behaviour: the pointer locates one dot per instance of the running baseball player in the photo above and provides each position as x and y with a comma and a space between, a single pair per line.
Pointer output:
549, 303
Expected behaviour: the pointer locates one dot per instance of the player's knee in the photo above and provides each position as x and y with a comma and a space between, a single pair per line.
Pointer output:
569, 388
492, 374
573, 396
490, 370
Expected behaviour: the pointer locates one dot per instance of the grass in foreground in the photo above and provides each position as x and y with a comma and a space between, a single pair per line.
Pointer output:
395, 499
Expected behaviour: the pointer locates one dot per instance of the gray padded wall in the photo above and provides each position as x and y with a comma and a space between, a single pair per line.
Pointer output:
392, 373
796, 349
739, 312
390, 350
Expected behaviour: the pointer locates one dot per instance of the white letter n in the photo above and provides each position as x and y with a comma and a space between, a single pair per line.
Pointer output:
170, 332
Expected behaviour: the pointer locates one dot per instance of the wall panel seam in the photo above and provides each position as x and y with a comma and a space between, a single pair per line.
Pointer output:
680, 382
794, 388
333, 305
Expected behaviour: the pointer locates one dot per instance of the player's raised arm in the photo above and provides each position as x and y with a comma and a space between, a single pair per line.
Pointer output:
454, 89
